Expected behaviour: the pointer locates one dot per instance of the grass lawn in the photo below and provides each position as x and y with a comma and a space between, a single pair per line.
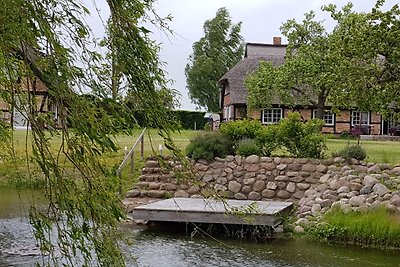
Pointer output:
14, 170
377, 151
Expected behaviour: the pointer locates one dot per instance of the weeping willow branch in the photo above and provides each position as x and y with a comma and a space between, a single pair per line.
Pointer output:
49, 42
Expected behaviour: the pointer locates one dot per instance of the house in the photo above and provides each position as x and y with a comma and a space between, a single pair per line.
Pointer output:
234, 97
28, 89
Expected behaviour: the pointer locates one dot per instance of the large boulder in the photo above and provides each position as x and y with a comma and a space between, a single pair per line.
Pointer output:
380, 189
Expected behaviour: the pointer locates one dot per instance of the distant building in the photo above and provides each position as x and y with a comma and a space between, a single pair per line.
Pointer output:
234, 97
29, 90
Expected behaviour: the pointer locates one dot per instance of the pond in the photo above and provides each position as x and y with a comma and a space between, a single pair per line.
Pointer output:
158, 247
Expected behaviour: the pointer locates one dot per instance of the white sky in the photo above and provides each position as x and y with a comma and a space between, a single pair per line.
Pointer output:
260, 19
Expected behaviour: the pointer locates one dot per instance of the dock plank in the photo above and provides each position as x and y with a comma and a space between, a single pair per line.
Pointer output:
213, 211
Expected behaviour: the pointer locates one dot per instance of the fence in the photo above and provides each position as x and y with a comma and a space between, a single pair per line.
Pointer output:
130, 156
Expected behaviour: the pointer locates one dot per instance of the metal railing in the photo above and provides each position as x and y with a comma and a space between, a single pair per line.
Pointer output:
130, 156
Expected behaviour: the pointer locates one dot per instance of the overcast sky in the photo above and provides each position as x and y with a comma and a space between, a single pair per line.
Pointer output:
260, 19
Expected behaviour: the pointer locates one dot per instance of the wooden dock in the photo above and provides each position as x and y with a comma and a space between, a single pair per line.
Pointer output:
213, 211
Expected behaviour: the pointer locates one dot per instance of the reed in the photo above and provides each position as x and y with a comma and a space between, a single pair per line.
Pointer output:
377, 228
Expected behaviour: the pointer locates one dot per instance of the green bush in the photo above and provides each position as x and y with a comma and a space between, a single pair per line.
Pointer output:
208, 146
352, 151
248, 147
346, 135
183, 118
188, 119
267, 139
300, 139
241, 129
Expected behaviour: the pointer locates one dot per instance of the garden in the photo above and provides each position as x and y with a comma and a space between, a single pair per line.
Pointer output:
362, 204
289, 138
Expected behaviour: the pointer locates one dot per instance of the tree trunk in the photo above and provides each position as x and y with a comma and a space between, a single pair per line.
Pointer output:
321, 107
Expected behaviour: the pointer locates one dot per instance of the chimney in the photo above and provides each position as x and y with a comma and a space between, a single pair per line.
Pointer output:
277, 41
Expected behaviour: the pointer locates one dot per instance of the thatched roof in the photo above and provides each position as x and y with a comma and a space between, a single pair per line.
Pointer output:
236, 76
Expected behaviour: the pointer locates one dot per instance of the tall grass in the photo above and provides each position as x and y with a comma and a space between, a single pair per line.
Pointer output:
14, 171
378, 228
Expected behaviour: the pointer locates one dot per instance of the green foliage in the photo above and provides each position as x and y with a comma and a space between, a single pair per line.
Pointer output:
378, 228
40, 45
248, 147
241, 129
327, 233
188, 119
369, 38
182, 119
308, 74
268, 139
301, 139
346, 135
213, 55
23, 181
352, 152
208, 146
356, 64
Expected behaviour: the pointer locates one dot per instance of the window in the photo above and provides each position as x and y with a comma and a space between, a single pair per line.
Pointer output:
228, 112
225, 113
271, 115
329, 117
241, 112
359, 118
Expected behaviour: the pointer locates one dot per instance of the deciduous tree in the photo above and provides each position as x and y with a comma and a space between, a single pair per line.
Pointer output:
308, 75
355, 65
369, 43
214, 54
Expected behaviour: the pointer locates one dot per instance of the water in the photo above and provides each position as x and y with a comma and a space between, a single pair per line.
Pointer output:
17, 246
154, 247
160, 249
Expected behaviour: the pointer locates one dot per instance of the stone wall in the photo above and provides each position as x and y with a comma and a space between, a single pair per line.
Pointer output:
315, 185
236, 177
359, 189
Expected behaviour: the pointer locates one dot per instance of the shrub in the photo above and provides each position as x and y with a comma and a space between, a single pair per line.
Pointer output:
248, 147
188, 119
267, 139
352, 151
355, 132
346, 135
301, 139
208, 146
241, 129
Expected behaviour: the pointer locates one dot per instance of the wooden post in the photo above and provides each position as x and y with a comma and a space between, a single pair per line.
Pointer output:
142, 147
132, 162
120, 182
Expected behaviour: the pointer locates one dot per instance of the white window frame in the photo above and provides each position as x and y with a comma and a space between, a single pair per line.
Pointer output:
327, 114
274, 111
230, 108
359, 114
225, 115
228, 111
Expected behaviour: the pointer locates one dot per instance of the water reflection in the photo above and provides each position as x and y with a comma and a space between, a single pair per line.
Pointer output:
16, 203
172, 249
157, 248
